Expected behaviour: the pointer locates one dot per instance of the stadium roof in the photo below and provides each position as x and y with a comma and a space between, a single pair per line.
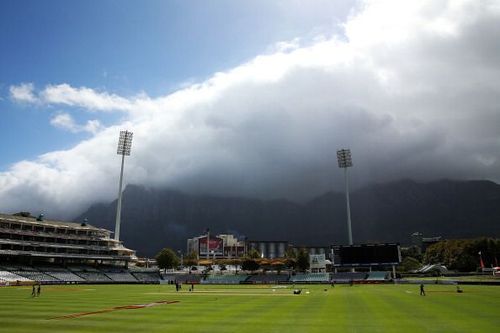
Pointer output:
32, 219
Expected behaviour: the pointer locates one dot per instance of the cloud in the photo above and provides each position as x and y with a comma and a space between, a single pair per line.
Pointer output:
64, 94
286, 46
23, 93
66, 122
412, 88
83, 97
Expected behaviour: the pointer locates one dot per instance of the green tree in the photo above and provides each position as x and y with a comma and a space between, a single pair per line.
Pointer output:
167, 259
302, 260
291, 263
249, 265
291, 253
190, 259
253, 254
409, 264
463, 254
291, 258
412, 251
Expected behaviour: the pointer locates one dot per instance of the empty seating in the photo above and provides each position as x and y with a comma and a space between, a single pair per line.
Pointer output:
310, 278
37, 276
7, 276
378, 276
93, 277
121, 276
147, 276
83, 269
348, 276
268, 278
65, 276
50, 273
182, 278
224, 279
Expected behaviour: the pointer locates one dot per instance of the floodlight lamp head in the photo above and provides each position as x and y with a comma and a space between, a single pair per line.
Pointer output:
344, 158
125, 143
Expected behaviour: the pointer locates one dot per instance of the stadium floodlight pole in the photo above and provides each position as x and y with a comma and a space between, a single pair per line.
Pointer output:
345, 161
124, 147
208, 244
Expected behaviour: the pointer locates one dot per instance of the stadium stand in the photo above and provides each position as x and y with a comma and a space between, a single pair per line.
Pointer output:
24, 238
182, 278
267, 278
37, 276
346, 277
310, 278
93, 277
224, 279
378, 276
10, 277
147, 277
65, 276
33, 274
120, 276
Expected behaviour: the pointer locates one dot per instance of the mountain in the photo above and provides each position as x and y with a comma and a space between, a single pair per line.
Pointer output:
153, 218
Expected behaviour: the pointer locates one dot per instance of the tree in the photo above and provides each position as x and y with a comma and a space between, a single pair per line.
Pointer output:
291, 258
191, 259
167, 258
409, 264
253, 253
291, 263
291, 253
413, 252
302, 260
250, 265
463, 254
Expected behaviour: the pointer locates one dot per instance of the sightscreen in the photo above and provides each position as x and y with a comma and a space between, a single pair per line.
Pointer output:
366, 254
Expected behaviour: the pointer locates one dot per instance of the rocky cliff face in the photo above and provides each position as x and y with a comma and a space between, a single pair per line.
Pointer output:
153, 219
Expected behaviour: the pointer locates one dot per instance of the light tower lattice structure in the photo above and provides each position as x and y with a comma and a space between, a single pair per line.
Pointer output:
124, 148
345, 161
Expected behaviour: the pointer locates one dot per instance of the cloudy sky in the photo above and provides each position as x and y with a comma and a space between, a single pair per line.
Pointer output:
248, 98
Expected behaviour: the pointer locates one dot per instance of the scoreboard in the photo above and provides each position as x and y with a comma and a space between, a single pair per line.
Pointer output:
366, 254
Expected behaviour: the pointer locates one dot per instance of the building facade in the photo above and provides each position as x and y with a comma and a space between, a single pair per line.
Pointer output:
221, 246
35, 240
269, 249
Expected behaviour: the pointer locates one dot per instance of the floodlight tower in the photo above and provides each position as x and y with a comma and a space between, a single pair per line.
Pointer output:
124, 147
345, 161
208, 244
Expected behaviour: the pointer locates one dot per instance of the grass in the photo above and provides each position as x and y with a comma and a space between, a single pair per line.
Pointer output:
479, 278
361, 308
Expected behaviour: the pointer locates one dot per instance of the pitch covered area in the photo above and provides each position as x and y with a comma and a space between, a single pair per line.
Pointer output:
319, 308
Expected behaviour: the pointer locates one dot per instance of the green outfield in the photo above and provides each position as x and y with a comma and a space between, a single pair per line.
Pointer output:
257, 309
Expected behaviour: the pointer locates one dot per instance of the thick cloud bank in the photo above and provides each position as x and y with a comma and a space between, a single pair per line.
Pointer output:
412, 88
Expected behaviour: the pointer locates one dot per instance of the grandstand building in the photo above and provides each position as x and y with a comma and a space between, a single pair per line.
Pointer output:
269, 249
29, 240
227, 246
219, 247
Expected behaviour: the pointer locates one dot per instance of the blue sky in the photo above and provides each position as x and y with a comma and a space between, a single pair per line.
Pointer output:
247, 98
129, 47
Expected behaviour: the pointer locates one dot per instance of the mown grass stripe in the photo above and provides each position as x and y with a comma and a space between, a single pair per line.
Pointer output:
371, 308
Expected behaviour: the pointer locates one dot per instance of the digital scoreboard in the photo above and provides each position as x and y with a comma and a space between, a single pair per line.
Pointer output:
366, 254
